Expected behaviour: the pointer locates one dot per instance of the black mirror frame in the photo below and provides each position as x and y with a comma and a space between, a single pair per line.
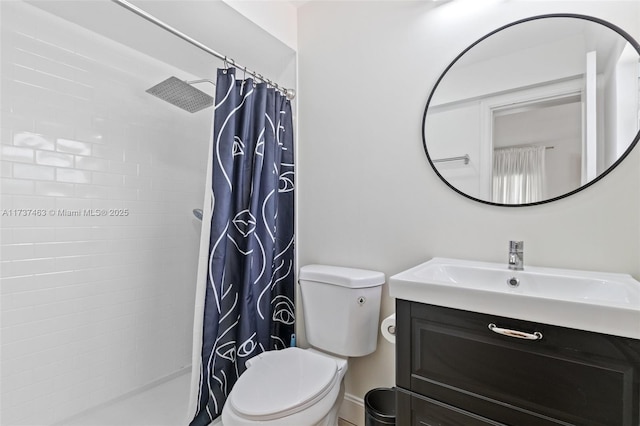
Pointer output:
632, 145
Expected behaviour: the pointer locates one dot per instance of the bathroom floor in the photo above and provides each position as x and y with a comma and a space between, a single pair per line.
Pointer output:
162, 405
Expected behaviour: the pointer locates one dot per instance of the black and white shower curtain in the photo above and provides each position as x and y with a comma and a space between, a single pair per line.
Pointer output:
249, 302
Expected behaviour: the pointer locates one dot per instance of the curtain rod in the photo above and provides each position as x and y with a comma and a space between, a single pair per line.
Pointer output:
289, 93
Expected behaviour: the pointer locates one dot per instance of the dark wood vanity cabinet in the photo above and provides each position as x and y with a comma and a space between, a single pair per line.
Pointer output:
451, 370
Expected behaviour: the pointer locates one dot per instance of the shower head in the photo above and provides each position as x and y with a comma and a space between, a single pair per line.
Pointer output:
182, 94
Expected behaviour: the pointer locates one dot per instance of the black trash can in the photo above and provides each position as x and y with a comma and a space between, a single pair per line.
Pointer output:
380, 407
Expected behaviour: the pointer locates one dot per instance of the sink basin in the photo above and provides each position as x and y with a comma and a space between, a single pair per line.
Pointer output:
594, 301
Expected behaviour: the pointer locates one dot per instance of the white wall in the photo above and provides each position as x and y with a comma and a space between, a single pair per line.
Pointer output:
512, 71
279, 18
367, 195
446, 139
92, 307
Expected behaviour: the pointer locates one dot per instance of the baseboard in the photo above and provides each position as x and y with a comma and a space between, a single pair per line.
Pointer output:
352, 410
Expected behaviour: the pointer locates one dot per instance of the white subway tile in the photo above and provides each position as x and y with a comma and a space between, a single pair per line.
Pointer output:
147, 170
86, 275
33, 203
142, 183
16, 154
33, 140
54, 159
36, 77
75, 89
56, 249
34, 93
74, 262
122, 194
54, 279
15, 366
17, 251
18, 220
73, 147
31, 60
11, 351
7, 236
90, 135
27, 330
128, 169
137, 157
6, 137
108, 152
92, 191
71, 175
55, 128
16, 186
6, 169
37, 110
92, 163
19, 122
40, 47
72, 233
33, 235
11, 284
32, 266
30, 298
27, 171
107, 179
55, 189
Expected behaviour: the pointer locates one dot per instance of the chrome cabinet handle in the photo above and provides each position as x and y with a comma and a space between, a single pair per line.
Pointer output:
514, 333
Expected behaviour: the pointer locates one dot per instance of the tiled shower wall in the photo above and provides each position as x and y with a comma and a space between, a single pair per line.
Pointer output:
99, 245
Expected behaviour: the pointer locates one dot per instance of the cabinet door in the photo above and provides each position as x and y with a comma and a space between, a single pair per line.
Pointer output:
416, 410
569, 377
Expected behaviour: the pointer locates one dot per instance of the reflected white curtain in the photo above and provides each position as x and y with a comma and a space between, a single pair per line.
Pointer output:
518, 175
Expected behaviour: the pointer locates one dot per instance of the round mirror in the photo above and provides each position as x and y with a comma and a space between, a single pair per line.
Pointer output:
536, 110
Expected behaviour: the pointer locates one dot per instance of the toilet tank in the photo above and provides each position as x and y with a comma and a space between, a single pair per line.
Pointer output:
341, 308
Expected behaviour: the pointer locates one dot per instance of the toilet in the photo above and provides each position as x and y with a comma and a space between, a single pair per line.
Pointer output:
304, 387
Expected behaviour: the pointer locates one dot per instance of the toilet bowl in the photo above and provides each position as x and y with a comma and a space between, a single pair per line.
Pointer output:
294, 386
304, 387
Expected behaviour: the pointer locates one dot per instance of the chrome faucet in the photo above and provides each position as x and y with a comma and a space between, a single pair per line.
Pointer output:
516, 255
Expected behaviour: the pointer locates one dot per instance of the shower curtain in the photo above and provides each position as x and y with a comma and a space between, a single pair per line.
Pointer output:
519, 175
249, 300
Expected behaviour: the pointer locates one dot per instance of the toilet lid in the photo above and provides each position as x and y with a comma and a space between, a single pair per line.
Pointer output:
281, 383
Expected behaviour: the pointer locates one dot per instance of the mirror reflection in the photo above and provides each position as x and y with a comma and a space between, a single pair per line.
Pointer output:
536, 110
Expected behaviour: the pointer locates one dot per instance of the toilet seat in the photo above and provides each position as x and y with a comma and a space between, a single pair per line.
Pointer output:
281, 383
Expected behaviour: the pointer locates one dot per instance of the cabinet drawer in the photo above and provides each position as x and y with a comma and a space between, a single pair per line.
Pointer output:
416, 410
568, 377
